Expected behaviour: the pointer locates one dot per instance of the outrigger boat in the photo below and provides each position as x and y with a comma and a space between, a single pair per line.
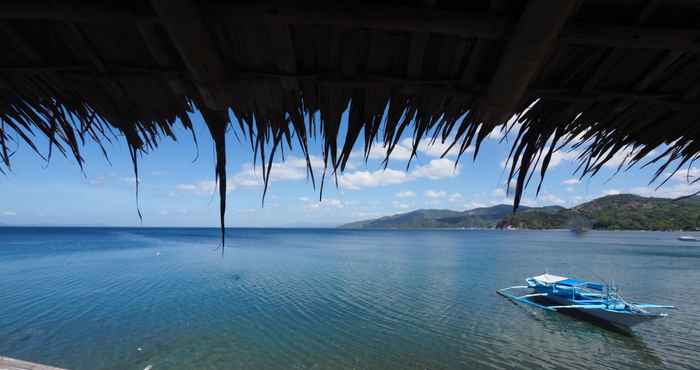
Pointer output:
599, 301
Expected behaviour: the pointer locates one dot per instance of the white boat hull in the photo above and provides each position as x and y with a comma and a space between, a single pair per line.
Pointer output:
621, 320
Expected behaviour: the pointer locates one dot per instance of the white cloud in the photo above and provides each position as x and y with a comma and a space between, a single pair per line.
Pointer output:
292, 169
405, 194
204, 187
670, 190
686, 175
474, 204
622, 157
112, 178
436, 169
499, 132
325, 203
557, 158
612, 192
9, 213
548, 198
435, 194
186, 187
455, 197
572, 181
498, 192
400, 205
365, 214
399, 152
370, 179
295, 169
97, 181
402, 150
561, 155
666, 191
436, 148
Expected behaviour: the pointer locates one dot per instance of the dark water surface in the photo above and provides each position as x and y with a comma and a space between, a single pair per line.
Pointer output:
93, 298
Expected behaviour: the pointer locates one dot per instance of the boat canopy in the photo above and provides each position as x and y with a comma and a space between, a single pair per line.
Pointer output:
550, 279
582, 283
565, 281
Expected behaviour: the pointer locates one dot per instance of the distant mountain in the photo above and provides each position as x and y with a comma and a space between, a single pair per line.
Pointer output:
416, 219
613, 212
618, 212
485, 217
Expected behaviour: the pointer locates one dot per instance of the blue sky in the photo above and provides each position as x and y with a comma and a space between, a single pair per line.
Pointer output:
177, 191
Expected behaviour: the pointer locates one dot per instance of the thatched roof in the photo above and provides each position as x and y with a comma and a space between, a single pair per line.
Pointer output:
604, 74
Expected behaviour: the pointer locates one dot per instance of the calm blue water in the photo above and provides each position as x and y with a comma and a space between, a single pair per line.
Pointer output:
91, 298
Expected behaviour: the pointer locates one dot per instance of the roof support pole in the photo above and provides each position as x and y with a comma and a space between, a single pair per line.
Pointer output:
535, 34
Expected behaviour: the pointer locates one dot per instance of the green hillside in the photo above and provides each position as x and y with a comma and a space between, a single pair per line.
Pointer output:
486, 217
617, 212
613, 212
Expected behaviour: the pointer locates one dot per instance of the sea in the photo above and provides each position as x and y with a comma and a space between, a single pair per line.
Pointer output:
171, 298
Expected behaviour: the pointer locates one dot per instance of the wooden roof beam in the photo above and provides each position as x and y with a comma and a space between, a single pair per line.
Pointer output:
184, 25
483, 25
407, 19
17, 41
281, 40
416, 49
535, 35
72, 11
476, 54
78, 42
154, 43
632, 37
376, 17
666, 61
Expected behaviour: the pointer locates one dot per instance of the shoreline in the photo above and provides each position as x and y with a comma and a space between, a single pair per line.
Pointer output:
323, 228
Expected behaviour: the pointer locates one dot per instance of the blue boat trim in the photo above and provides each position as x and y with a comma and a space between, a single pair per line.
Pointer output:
602, 301
580, 283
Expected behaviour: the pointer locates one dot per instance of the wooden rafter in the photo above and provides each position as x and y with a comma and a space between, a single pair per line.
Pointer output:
72, 11
468, 25
477, 52
281, 40
632, 37
416, 49
535, 35
154, 43
186, 29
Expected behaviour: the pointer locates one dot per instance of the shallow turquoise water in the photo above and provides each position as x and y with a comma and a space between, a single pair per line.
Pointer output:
92, 298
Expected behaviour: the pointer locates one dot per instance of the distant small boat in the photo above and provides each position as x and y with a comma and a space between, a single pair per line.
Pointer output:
596, 300
686, 238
